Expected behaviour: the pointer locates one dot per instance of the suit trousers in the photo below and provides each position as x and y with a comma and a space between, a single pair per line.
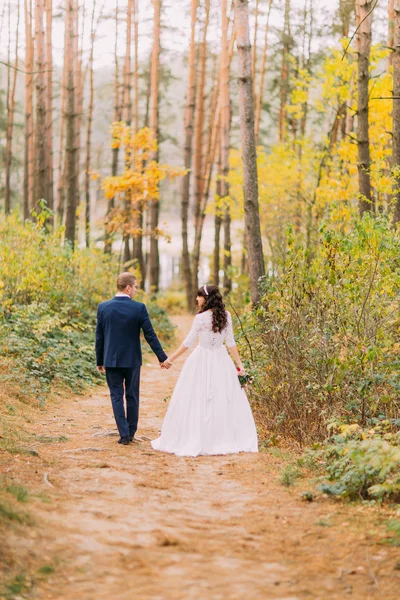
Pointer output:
119, 378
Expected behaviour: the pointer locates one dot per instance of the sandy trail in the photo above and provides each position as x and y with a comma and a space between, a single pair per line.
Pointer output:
129, 522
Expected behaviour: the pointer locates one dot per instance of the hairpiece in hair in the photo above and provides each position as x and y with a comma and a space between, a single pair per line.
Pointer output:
205, 290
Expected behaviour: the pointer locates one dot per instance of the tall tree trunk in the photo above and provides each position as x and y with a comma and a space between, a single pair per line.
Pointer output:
136, 66
217, 223
28, 126
391, 16
49, 103
187, 157
89, 129
213, 146
127, 117
363, 46
117, 118
154, 258
198, 151
249, 157
61, 160
396, 110
138, 215
225, 143
254, 50
346, 10
306, 61
78, 84
10, 119
71, 163
284, 79
40, 177
259, 98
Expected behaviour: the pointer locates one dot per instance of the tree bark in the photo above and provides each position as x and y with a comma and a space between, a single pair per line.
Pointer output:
89, 129
71, 175
40, 175
225, 142
249, 157
391, 16
138, 217
198, 152
28, 126
259, 98
49, 103
187, 157
396, 112
127, 117
254, 50
306, 63
284, 80
363, 46
154, 258
117, 119
346, 10
213, 144
217, 224
61, 161
10, 120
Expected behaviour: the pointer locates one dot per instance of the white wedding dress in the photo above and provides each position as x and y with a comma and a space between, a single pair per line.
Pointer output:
208, 412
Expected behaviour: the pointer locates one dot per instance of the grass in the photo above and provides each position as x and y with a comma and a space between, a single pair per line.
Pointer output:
9, 515
42, 497
323, 523
18, 491
393, 526
46, 570
48, 439
289, 476
15, 587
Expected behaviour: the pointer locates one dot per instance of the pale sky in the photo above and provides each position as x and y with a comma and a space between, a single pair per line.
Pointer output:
175, 15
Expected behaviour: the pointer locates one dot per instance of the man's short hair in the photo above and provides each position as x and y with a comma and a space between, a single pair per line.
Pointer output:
125, 279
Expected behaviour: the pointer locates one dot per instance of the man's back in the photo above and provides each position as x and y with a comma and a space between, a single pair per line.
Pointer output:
119, 322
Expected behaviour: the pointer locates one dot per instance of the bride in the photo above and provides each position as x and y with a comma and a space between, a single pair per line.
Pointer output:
209, 412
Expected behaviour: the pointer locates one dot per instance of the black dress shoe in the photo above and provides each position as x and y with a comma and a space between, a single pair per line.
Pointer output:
131, 438
125, 441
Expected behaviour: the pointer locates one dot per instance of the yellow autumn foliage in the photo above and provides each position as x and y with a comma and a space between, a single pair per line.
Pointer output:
140, 181
306, 180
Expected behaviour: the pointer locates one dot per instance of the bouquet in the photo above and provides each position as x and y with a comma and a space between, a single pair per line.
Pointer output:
246, 379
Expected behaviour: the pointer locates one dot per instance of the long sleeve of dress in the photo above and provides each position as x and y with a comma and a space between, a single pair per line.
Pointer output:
193, 333
229, 337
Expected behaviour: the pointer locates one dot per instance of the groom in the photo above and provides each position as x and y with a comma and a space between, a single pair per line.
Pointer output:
118, 351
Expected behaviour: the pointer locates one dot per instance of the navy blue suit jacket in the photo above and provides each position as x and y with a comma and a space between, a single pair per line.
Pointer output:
119, 322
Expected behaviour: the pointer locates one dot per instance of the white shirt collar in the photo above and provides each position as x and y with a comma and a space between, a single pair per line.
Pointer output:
121, 295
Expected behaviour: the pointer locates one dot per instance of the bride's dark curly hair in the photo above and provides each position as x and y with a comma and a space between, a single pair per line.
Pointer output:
215, 303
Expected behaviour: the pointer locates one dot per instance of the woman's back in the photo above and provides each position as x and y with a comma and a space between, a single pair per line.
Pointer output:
202, 329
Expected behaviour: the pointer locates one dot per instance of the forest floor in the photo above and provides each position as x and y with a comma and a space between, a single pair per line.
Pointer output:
107, 521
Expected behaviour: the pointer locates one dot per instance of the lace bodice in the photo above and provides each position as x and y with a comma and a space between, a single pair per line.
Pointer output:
202, 329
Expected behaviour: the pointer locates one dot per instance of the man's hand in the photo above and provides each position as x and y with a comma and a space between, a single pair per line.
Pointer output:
167, 364
101, 370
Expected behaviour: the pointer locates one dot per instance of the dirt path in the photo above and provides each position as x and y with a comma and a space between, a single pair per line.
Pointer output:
128, 522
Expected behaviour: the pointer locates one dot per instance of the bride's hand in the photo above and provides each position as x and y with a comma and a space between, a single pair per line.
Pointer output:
241, 370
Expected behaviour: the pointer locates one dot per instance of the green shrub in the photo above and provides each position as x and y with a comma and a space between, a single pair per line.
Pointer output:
325, 337
172, 301
360, 463
48, 300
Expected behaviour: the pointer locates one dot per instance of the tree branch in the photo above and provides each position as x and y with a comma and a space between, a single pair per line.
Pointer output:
358, 27
10, 66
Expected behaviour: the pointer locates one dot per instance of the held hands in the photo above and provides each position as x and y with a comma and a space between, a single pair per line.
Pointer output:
167, 364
